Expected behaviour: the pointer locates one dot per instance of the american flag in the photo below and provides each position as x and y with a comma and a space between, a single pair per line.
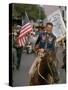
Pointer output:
26, 28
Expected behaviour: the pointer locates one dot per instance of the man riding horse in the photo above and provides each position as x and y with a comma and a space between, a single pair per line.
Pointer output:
44, 66
46, 39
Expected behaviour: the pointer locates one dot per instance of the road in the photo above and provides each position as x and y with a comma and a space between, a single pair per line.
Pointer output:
21, 78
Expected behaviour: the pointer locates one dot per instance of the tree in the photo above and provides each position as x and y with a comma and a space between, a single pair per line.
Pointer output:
34, 11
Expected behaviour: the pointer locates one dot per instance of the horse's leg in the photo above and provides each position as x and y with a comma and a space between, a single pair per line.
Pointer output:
50, 79
55, 73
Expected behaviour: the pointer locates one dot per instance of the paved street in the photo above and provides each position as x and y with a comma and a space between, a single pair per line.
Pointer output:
20, 77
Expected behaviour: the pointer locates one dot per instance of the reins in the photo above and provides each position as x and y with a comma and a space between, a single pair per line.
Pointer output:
43, 76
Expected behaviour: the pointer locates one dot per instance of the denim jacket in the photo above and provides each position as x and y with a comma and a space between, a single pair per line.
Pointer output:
46, 40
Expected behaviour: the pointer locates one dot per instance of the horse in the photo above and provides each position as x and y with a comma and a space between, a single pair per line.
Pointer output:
43, 70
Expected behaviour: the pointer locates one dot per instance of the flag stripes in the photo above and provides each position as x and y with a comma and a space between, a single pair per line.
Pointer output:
22, 36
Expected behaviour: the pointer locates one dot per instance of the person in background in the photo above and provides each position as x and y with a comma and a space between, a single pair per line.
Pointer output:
64, 57
14, 52
33, 39
19, 50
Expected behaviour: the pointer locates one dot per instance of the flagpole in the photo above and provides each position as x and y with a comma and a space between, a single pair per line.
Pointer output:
27, 15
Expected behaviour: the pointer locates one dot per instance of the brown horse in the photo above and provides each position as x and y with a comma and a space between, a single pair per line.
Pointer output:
43, 70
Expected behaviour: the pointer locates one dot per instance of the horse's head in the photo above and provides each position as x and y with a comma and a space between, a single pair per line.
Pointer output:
44, 68
48, 56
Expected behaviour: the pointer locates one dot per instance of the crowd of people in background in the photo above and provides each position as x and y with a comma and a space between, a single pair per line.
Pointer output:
29, 45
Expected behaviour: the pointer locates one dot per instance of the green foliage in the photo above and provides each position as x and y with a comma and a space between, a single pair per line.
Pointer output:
34, 11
